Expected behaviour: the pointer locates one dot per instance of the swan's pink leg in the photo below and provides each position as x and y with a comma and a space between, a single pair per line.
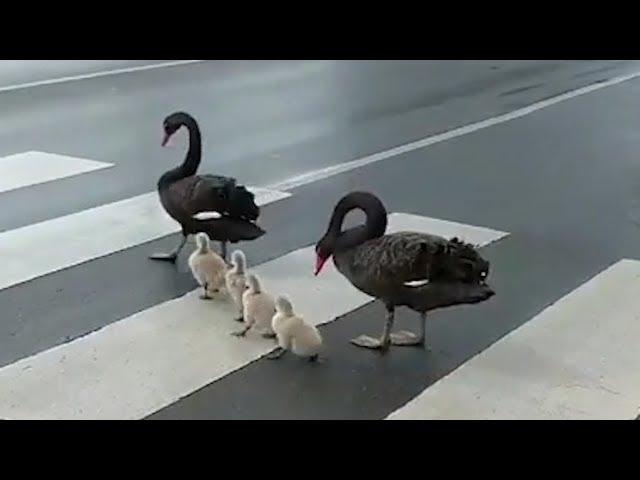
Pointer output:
383, 343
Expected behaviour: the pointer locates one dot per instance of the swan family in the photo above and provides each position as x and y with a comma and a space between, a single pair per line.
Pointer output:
419, 271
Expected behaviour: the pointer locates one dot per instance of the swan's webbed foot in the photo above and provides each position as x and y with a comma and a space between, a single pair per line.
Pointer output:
276, 354
383, 343
313, 358
366, 341
405, 338
239, 319
268, 335
165, 257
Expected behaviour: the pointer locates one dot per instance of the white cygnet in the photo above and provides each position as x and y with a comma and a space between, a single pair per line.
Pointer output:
235, 280
294, 333
258, 308
207, 267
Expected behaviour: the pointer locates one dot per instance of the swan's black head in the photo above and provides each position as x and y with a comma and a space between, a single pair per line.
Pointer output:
336, 240
173, 123
460, 262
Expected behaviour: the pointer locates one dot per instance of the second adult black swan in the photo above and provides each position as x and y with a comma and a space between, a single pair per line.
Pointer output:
184, 194
420, 271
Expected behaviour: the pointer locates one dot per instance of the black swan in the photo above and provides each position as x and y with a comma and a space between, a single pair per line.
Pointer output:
184, 194
450, 272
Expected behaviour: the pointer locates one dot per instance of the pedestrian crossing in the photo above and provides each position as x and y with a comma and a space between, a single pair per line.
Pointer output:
566, 362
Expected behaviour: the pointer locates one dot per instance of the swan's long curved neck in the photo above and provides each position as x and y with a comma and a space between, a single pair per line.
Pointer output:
194, 154
193, 157
375, 224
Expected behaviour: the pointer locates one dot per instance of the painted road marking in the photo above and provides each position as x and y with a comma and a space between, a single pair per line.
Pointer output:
129, 222
105, 73
322, 173
577, 359
31, 168
139, 365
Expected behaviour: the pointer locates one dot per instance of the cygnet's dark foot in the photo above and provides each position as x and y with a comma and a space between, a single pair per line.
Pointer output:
164, 257
406, 339
240, 333
365, 341
268, 335
239, 319
276, 354
313, 358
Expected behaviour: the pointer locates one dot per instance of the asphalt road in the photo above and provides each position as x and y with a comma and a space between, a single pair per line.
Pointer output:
561, 181
261, 120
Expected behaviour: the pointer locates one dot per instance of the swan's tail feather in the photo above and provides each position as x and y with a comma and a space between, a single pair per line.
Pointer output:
242, 204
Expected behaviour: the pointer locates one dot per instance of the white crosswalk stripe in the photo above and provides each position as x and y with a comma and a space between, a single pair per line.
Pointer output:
31, 168
128, 222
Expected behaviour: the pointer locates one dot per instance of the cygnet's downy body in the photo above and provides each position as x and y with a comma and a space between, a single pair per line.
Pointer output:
258, 308
235, 280
293, 333
207, 267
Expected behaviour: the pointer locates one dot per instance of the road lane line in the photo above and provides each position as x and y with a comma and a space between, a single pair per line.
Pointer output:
104, 73
326, 172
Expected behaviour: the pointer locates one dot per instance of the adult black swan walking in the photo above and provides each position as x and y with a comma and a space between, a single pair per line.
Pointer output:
443, 272
184, 194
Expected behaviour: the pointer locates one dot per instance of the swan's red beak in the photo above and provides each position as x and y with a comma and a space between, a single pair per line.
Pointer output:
165, 140
319, 264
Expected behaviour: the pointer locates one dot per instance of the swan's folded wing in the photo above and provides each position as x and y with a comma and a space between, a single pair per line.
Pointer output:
215, 182
400, 257
205, 193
